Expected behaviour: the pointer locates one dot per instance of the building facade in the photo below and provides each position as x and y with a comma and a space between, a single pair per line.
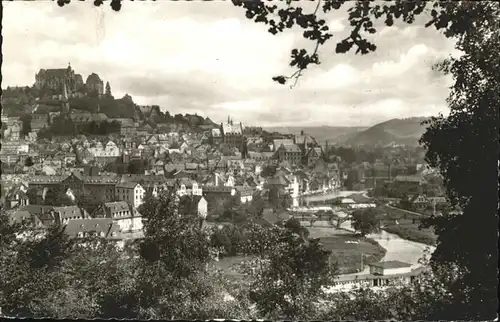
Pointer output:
56, 78
232, 133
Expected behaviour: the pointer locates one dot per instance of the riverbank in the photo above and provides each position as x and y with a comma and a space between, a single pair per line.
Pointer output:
396, 247
413, 233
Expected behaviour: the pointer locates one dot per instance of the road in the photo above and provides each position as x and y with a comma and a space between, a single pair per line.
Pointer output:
332, 195
407, 211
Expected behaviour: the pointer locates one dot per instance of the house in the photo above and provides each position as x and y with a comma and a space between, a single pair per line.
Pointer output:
289, 153
414, 182
216, 136
111, 149
230, 181
304, 141
159, 167
184, 146
127, 218
293, 189
69, 158
382, 274
312, 156
419, 202
205, 138
127, 130
152, 140
131, 192
98, 227
18, 216
17, 197
389, 268
189, 187
62, 215
144, 130
245, 193
214, 194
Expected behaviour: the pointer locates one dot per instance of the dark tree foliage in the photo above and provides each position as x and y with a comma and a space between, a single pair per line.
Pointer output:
184, 240
365, 221
57, 197
137, 166
294, 226
28, 162
26, 127
100, 128
89, 203
289, 274
464, 146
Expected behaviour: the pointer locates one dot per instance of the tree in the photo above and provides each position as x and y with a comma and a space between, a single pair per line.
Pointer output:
174, 256
293, 224
468, 167
108, 89
365, 221
28, 162
89, 203
289, 275
56, 196
26, 124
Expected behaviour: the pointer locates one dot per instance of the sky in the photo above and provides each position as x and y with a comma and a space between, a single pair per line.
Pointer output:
207, 58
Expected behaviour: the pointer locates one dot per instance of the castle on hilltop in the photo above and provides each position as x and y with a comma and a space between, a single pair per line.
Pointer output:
57, 78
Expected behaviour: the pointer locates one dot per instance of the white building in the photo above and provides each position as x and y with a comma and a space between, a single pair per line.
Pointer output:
381, 275
293, 190
390, 268
109, 150
244, 193
189, 187
127, 219
130, 192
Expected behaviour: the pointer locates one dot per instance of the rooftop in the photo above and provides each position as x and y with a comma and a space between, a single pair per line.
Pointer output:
391, 264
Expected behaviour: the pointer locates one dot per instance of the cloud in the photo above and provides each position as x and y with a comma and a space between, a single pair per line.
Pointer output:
209, 59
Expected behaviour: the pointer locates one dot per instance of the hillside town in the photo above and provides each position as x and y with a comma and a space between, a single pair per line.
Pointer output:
68, 160
249, 160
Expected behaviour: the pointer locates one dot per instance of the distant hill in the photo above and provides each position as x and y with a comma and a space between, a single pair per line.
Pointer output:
398, 131
332, 134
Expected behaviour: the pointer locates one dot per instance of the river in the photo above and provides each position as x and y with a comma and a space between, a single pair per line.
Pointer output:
397, 248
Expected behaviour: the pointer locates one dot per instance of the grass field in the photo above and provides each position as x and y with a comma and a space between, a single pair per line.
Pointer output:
348, 248
406, 228
414, 233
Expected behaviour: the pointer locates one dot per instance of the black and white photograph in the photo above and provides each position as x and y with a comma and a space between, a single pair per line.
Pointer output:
250, 160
